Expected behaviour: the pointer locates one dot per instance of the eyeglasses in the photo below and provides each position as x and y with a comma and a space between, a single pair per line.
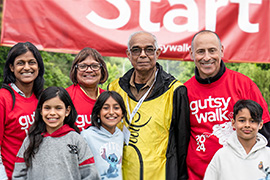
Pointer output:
84, 67
149, 51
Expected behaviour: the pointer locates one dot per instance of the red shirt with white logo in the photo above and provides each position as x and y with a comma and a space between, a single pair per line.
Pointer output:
211, 111
83, 104
14, 125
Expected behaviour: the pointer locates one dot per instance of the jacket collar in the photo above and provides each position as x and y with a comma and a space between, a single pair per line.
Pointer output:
211, 79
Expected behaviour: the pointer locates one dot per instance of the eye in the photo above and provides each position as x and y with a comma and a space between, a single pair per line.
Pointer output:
135, 50
82, 66
200, 51
105, 107
20, 63
32, 62
149, 50
212, 50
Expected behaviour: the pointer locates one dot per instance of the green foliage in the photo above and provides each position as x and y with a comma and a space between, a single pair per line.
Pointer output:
114, 73
3, 57
57, 67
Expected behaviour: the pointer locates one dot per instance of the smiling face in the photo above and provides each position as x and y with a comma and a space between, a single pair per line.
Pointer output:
246, 127
25, 69
53, 113
110, 115
207, 53
143, 62
89, 77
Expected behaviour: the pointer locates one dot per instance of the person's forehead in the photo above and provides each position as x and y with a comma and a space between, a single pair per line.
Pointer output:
206, 40
142, 40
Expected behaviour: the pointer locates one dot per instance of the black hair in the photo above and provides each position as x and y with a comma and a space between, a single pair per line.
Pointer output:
254, 108
39, 126
100, 102
9, 77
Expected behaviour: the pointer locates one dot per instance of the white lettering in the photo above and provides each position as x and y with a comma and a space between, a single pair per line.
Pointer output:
210, 16
145, 13
243, 16
123, 18
191, 14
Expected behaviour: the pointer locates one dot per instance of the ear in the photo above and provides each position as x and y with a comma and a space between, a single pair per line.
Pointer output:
68, 111
233, 124
260, 125
191, 53
128, 54
158, 52
11, 67
222, 50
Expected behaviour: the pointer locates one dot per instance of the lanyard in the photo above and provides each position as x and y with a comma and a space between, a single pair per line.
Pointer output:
131, 115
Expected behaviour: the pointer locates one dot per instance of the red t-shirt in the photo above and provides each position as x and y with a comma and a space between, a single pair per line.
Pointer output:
14, 125
83, 105
211, 111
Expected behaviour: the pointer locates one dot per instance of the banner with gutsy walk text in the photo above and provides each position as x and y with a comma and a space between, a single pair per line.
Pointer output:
70, 25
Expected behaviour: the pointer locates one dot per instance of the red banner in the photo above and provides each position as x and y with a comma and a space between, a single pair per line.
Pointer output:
70, 25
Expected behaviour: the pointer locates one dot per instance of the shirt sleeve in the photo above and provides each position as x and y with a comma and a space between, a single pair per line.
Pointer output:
3, 174
212, 169
87, 165
20, 169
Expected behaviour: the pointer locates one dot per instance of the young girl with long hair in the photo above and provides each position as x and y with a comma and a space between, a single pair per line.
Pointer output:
104, 138
54, 149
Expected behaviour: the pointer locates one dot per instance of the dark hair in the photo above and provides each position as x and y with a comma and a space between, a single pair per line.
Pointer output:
254, 108
201, 32
39, 126
9, 77
81, 56
100, 102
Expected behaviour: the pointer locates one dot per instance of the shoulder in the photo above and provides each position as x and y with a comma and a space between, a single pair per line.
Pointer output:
89, 131
71, 88
190, 81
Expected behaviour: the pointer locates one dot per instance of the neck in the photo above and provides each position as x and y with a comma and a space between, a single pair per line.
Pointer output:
143, 77
27, 89
247, 145
91, 92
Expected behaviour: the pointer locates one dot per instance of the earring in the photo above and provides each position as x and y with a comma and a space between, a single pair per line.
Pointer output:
98, 120
122, 120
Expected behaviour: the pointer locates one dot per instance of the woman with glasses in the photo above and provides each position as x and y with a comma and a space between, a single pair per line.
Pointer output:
88, 70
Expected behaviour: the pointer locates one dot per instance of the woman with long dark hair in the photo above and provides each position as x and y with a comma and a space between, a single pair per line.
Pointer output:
23, 83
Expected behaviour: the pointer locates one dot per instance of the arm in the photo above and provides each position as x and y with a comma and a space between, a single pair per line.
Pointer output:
87, 165
20, 169
212, 170
3, 174
179, 136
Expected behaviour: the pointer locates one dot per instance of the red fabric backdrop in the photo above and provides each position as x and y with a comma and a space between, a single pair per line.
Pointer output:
70, 25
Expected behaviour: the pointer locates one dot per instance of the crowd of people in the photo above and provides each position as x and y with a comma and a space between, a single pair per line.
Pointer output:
146, 125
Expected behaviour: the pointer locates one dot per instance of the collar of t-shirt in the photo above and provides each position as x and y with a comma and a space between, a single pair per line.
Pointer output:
144, 89
87, 94
59, 132
16, 89
210, 79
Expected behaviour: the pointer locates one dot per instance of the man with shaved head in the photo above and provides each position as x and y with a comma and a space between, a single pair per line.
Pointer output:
212, 93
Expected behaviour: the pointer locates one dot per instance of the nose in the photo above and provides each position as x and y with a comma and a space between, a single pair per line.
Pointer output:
247, 124
88, 69
207, 56
143, 54
26, 66
52, 111
111, 111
